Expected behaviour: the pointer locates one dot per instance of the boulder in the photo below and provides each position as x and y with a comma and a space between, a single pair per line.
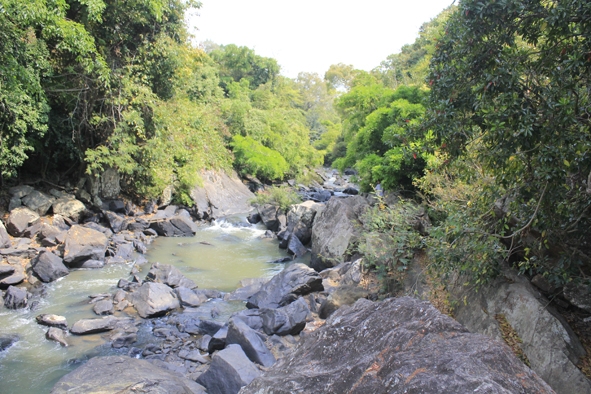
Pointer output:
288, 320
58, 335
83, 244
177, 226
286, 286
578, 294
104, 307
342, 295
19, 219
230, 369
122, 374
295, 247
20, 191
4, 238
13, 279
49, 267
250, 341
110, 186
16, 298
300, 219
116, 222
69, 207
254, 218
221, 195
169, 275
335, 229
218, 340
38, 202
188, 297
251, 317
14, 203
399, 345
6, 270
551, 347
7, 341
90, 264
52, 321
351, 190
270, 216
154, 299
93, 326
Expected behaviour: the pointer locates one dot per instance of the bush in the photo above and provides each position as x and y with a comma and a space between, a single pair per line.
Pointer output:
281, 196
254, 158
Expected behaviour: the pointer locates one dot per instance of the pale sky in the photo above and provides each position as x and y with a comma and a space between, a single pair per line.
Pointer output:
310, 35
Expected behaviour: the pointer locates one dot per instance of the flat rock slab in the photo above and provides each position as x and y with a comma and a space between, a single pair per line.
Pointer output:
52, 321
93, 326
399, 345
58, 335
122, 374
285, 287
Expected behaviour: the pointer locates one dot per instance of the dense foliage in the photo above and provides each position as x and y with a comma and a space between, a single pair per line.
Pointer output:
511, 95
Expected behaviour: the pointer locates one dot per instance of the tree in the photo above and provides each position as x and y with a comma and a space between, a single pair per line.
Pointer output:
511, 88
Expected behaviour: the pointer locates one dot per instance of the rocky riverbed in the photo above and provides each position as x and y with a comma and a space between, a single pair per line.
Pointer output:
313, 327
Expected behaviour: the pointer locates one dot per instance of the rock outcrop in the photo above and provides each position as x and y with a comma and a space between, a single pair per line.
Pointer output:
334, 229
399, 345
221, 195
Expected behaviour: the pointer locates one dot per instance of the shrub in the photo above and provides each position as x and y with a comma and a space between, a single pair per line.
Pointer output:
281, 196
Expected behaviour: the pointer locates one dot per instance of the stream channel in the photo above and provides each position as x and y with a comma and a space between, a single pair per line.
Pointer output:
217, 257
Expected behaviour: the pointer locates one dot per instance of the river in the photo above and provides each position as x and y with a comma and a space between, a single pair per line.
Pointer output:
218, 257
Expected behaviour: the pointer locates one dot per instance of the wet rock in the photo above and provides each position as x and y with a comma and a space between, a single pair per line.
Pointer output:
83, 244
289, 320
49, 267
177, 226
269, 216
154, 299
229, 370
285, 287
69, 207
116, 222
189, 298
93, 326
254, 218
7, 341
52, 321
58, 335
104, 307
351, 190
90, 264
140, 247
250, 341
300, 219
4, 238
169, 275
335, 229
16, 298
122, 374
19, 219
395, 346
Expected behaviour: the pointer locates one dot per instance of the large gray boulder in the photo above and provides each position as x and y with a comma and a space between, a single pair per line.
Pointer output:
286, 286
69, 207
335, 228
288, 320
122, 374
230, 369
551, 347
19, 219
52, 321
49, 267
154, 299
38, 202
4, 238
399, 345
169, 275
221, 195
300, 219
271, 216
250, 341
83, 244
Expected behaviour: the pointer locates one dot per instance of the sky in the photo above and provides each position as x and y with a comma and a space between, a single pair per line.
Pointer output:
310, 35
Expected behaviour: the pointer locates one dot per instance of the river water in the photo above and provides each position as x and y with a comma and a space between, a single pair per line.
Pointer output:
218, 257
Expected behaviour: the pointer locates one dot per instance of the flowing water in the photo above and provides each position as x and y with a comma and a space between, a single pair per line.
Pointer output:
218, 257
